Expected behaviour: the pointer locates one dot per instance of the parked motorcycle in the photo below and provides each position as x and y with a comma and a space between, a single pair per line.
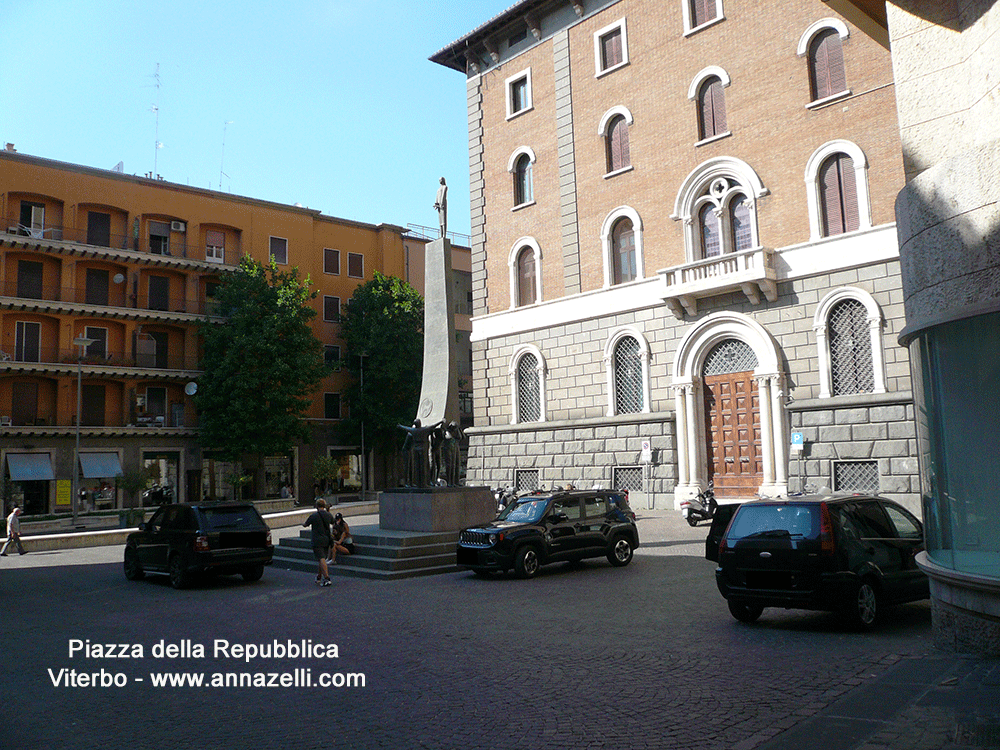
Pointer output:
504, 497
701, 508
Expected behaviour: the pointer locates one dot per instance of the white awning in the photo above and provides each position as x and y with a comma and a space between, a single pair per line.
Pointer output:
100, 465
30, 467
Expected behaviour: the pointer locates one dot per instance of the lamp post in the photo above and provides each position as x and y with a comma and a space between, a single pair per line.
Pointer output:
83, 342
364, 457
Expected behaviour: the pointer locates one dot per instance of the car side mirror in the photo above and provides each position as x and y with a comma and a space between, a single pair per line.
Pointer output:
142, 526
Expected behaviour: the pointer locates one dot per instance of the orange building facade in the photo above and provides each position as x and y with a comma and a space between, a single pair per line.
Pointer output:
126, 267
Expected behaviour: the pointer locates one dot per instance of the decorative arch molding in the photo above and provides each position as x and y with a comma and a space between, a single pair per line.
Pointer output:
824, 23
606, 249
541, 369
813, 165
515, 250
602, 129
821, 328
512, 162
704, 173
609, 365
711, 70
690, 408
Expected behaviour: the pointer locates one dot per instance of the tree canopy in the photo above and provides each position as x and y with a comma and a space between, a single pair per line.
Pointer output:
384, 321
261, 366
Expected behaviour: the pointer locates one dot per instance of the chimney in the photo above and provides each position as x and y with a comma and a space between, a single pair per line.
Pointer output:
10, 147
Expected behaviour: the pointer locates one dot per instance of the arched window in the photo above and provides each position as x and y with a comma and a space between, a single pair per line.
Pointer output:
523, 189
838, 195
616, 141
711, 236
851, 367
623, 252
527, 379
526, 277
628, 377
711, 108
741, 230
826, 65
725, 221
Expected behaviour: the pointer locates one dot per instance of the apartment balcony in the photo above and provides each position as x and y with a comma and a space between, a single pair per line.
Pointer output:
53, 361
53, 299
145, 427
749, 271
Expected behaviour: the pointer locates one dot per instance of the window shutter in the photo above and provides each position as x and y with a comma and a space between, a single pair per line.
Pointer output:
618, 149
712, 104
830, 189
837, 76
849, 189
718, 108
826, 65
702, 11
611, 49
214, 238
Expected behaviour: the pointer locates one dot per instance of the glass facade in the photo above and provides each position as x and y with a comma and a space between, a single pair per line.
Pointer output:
956, 381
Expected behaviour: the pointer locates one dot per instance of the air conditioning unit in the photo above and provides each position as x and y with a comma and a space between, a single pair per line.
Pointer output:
5, 422
140, 402
178, 226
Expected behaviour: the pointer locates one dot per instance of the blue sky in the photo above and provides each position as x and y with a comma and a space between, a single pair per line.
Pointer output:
330, 103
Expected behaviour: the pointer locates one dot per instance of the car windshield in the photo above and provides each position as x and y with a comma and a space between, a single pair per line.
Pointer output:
795, 521
525, 511
231, 518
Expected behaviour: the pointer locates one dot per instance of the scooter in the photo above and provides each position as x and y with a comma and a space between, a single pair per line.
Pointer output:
504, 497
701, 508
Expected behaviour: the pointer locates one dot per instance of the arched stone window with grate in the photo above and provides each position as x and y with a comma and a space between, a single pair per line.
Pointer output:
851, 367
732, 355
628, 377
529, 402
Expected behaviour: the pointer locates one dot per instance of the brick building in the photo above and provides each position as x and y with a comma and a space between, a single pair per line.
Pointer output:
684, 239
129, 264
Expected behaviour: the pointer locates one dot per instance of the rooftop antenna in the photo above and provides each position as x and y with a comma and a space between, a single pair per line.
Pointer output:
223, 160
155, 109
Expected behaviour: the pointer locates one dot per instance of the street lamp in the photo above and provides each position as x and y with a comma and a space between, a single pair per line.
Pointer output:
364, 458
83, 342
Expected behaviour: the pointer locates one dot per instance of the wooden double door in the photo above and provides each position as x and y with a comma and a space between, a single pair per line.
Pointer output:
732, 430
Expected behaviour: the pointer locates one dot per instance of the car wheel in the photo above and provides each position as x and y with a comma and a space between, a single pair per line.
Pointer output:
526, 562
178, 576
745, 612
863, 609
133, 568
692, 521
253, 573
620, 553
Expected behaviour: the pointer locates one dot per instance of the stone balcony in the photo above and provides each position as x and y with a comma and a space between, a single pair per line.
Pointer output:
750, 271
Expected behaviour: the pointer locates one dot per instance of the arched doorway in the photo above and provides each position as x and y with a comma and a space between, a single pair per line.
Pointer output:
732, 420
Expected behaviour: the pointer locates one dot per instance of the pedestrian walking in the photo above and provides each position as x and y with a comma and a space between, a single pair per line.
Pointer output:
321, 538
13, 532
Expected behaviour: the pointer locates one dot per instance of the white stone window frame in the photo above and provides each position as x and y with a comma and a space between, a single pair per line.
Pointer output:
508, 91
602, 131
803, 51
689, 29
512, 269
690, 198
599, 71
821, 327
607, 249
609, 366
708, 72
819, 156
542, 369
512, 167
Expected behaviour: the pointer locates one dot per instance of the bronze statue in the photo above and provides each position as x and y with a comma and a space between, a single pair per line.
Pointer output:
441, 206
416, 446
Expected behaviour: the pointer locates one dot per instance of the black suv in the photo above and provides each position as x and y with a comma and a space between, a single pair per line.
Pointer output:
852, 553
185, 540
548, 526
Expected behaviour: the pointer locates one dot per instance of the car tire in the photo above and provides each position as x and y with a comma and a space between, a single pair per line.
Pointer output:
253, 573
743, 612
863, 609
178, 576
692, 521
132, 566
621, 552
526, 562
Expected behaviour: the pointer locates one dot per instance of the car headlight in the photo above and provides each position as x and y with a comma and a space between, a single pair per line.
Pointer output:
494, 538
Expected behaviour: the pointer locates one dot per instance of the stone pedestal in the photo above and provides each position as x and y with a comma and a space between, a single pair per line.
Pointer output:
433, 509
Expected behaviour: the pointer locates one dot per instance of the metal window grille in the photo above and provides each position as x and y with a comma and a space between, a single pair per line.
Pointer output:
856, 476
525, 480
628, 377
730, 356
851, 368
627, 478
529, 401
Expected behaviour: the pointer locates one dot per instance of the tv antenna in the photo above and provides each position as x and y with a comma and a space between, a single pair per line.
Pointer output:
155, 109
223, 160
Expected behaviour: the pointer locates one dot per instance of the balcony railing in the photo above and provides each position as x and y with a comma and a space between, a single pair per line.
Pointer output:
750, 271
13, 226
115, 298
54, 355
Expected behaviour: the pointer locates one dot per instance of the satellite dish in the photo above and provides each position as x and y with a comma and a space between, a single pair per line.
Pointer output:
119, 278
191, 388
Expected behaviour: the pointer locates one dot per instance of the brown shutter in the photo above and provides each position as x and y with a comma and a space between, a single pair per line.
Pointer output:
214, 238
818, 73
618, 145
849, 193
830, 198
702, 11
712, 105
24, 406
718, 108
837, 76
159, 292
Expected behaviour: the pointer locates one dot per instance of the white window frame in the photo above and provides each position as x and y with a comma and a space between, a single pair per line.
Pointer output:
512, 269
270, 254
215, 253
819, 156
821, 327
689, 29
607, 249
695, 87
509, 91
602, 131
339, 303
609, 366
542, 368
803, 51
512, 167
355, 255
600, 71
339, 254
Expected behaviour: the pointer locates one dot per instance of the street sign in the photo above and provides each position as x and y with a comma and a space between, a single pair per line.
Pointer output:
798, 443
646, 457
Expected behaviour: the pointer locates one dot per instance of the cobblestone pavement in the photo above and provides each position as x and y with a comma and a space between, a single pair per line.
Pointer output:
584, 656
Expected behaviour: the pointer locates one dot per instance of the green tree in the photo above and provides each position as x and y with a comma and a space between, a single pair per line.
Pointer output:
384, 321
261, 366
